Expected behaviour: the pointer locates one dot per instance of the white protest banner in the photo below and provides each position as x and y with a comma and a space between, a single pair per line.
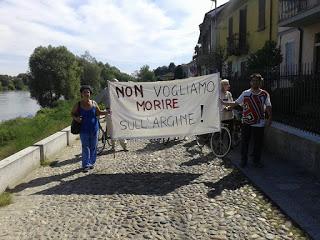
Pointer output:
181, 107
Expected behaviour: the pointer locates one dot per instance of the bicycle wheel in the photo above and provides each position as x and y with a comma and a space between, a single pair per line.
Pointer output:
220, 142
101, 141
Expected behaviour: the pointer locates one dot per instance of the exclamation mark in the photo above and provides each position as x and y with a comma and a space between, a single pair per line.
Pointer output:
201, 112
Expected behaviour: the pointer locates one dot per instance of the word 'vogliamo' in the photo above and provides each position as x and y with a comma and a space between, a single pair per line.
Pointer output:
158, 122
157, 104
167, 90
180, 90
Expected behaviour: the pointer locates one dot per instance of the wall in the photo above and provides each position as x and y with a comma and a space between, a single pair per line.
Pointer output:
294, 145
308, 42
16, 167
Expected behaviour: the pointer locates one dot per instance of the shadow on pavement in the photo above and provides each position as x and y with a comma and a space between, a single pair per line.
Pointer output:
43, 181
227, 163
156, 146
202, 159
232, 181
123, 183
56, 164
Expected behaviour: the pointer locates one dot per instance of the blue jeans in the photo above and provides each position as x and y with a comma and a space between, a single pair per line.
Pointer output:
89, 148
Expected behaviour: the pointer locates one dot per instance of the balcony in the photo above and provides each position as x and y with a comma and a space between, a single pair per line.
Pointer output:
237, 44
296, 13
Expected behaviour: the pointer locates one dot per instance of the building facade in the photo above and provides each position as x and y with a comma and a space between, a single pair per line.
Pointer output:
245, 27
299, 34
208, 42
238, 28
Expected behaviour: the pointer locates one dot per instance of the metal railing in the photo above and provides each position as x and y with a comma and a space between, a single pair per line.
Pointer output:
295, 95
291, 8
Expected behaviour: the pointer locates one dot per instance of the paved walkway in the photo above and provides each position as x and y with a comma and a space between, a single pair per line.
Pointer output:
294, 190
154, 191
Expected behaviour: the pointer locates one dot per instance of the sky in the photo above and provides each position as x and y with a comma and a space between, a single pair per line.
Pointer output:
125, 33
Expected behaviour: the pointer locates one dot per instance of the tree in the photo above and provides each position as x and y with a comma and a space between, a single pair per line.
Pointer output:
161, 70
5, 81
178, 72
172, 67
90, 71
214, 60
87, 57
54, 73
90, 74
108, 72
265, 59
18, 84
145, 75
25, 77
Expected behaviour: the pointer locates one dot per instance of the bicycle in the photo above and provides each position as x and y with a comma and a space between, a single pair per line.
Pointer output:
222, 141
236, 133
103, 138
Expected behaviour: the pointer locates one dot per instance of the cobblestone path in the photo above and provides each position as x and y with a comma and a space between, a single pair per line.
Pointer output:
154, 191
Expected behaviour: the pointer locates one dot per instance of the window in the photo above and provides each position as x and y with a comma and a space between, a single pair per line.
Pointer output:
317, 59
230, 27
317, 53
243, 29
243, 68
317, 38
289, 57
262, 15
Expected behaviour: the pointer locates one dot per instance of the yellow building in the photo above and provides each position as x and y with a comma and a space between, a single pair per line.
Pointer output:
243, 27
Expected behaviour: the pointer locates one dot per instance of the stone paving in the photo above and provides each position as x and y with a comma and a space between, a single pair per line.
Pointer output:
154, 191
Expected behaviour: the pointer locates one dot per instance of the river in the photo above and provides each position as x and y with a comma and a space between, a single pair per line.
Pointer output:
15, 104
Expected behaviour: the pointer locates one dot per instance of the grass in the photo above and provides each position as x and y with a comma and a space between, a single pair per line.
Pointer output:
45, 163
20, 133
5, 199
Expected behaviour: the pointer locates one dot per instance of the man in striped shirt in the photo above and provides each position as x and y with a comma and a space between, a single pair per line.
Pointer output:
255, 103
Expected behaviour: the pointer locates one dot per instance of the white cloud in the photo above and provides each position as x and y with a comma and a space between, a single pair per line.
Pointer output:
124, 33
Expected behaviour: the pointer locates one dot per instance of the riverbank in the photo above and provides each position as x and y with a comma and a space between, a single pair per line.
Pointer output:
20, 133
